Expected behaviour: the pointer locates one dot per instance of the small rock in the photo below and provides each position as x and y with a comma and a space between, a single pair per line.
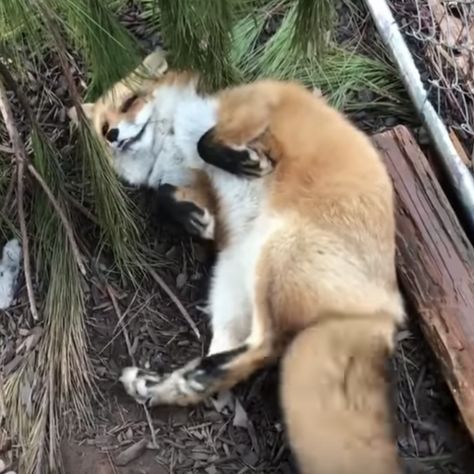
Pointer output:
181, 280
9, 269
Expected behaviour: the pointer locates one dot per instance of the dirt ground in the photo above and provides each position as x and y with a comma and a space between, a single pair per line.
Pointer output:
235, 433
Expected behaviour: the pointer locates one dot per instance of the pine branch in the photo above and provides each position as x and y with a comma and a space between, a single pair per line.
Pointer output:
197, 33
314, 23
112, 203
21, 160
109, 50
37, 176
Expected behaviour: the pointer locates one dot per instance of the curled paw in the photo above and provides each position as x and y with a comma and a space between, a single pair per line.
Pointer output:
255, 164
237, 160
200, 222
178, 204
137, 383
175, 388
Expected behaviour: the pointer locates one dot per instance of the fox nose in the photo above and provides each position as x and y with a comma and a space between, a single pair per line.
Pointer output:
112, 135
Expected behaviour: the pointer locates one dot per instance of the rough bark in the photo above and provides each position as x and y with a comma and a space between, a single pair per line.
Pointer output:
435, 262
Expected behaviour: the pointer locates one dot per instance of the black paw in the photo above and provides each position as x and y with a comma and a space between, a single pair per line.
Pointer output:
243, 162
196, 220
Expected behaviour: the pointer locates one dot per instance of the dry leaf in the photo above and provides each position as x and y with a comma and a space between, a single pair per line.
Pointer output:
240, 417
131, 453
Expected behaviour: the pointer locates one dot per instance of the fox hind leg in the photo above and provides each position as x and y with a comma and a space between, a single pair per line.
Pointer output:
198, 379
206, 376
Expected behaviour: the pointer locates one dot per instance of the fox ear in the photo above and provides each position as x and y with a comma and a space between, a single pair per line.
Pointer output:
155, 63
87, 108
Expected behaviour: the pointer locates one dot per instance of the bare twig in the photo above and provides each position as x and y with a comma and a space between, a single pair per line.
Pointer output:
150, 425
6, 149
20, 156
173, 298
119, 315
113, 299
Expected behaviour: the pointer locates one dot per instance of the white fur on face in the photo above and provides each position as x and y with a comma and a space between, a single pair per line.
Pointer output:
130, 133
166, 150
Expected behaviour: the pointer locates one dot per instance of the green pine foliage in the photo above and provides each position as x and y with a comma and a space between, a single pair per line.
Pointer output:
109, 50
313, 25
197, 33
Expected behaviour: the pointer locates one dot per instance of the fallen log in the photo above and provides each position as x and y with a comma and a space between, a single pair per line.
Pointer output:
435, 263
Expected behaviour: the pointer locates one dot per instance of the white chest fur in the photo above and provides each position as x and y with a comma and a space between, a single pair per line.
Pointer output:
167, 153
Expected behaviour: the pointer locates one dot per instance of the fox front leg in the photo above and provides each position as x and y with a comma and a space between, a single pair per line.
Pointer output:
241, 160
185, 207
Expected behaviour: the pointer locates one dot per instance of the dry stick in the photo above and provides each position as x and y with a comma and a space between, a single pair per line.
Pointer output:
111, 294
5, 73
173, 298
20, 156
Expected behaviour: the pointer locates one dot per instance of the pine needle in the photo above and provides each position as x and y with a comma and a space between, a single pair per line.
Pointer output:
340, 74
57, 376
313, 25
245, 35
197, 33
109, 50
19, 22
113, 208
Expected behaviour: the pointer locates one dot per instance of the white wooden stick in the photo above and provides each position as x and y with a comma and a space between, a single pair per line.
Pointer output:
459, 176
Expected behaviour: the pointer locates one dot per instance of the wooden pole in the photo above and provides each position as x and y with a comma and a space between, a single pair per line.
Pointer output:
459, 176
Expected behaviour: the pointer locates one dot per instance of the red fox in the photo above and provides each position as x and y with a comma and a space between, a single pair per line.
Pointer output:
305, 268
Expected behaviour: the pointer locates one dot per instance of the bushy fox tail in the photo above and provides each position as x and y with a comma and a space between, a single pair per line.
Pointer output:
335, 397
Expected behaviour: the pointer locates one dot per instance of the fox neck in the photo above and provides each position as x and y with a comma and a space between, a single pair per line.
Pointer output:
194, 116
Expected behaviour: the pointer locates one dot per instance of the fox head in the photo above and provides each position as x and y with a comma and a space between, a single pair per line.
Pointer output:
121, 115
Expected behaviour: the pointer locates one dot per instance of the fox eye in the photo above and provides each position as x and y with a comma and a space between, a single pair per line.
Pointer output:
105, 128
128, 103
